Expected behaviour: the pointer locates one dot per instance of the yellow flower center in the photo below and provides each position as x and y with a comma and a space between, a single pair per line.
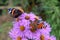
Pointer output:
42, 37
19, 38
27, 17
22, 28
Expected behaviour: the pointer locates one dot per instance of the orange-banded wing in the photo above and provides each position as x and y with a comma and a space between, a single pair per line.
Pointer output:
41, 25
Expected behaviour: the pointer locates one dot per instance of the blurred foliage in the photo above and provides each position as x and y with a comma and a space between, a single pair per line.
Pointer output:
49, 10
3, 2
5, 25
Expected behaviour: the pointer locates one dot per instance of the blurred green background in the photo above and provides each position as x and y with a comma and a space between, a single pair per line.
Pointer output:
49, 10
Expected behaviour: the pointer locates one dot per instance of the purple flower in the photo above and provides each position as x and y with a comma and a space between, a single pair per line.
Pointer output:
21, 22
19, 29
14, 33
24, 31
31, 15
32, 35
18, 38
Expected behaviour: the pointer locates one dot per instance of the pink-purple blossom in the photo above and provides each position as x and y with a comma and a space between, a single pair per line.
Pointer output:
22, 29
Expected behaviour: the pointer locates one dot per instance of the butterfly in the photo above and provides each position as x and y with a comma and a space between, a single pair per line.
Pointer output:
40, 23
15, 12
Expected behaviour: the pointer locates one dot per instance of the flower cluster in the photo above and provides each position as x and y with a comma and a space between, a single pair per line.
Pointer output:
30, 27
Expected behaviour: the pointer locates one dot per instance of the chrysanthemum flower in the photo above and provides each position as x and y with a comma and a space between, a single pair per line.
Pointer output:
19, 38
30, 16
30, 27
